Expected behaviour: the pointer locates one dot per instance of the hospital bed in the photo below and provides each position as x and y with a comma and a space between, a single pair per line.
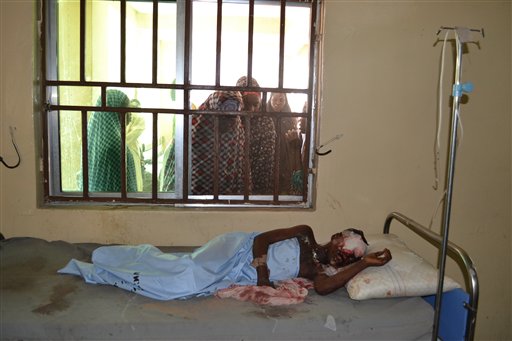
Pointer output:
36, 303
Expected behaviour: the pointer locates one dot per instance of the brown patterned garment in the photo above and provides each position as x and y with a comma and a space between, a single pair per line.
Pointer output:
231, 149
262, 146
290, 159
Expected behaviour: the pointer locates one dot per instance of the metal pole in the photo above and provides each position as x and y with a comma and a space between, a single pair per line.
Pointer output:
449, 189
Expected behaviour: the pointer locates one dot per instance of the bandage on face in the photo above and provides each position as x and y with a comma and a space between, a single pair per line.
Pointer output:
353, 244
350, 243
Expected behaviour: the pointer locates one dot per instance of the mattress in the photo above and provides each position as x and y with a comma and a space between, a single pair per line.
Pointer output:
36, 303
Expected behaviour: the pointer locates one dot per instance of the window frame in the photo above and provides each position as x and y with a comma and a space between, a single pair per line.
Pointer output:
54, 195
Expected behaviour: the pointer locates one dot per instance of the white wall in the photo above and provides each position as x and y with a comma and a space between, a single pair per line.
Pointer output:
381, 69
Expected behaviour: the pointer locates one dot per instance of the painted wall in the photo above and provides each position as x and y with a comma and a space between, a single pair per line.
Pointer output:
381, 65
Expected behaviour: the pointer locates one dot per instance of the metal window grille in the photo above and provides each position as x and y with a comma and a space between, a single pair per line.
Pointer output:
55, 108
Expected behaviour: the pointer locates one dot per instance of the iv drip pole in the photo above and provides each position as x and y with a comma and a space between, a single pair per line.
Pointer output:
462, 36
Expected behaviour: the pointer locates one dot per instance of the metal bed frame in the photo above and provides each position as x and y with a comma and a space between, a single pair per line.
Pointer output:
459, 255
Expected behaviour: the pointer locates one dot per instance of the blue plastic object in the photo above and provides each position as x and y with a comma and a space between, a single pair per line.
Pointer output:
458, 89
454, 314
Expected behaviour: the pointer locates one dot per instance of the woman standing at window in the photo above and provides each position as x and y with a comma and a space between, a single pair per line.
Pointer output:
104, 147
231, 146
290, 157
262, 139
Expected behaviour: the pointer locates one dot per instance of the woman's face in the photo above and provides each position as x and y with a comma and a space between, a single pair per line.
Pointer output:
278, 101
252, 102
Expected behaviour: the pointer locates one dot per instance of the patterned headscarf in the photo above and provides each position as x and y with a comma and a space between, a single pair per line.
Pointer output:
242, 81
223, 100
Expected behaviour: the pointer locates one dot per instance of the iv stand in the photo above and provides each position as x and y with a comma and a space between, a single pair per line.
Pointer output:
458, 89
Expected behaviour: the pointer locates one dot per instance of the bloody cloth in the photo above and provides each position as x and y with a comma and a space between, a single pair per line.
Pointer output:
290, 291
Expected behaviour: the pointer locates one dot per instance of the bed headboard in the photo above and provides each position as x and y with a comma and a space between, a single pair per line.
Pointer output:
455, 252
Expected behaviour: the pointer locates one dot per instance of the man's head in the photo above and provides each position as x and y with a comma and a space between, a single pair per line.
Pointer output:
347, 247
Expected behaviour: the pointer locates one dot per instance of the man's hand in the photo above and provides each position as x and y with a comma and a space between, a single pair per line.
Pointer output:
378, 258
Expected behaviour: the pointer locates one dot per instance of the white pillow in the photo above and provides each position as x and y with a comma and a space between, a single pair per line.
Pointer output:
407, 274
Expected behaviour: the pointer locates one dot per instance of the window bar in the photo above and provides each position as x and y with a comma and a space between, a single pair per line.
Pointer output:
83, 20
250, 43
277, 159
282, 26
154, 154
216, 118
155, 41
247, 163
216, 158
304, 161
123, 41
154, 164
314, 32
185, 177
103, 96
122, 119
281, 42
85, 157
219, 42
44, 106
186, 98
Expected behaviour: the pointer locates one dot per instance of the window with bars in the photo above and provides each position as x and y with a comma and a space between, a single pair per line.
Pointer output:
181, 103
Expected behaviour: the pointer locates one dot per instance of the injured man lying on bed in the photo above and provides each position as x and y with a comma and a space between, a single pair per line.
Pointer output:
232, 260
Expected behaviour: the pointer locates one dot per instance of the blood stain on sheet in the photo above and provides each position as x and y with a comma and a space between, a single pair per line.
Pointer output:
36, 263
22, 276
17, 284
58, 300
275, 312
171, 310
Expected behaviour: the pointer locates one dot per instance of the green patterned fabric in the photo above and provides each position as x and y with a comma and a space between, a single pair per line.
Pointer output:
167, 175
104, 148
